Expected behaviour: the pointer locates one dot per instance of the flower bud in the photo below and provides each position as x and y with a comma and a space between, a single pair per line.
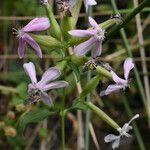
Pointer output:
10, 115
20, 107
10, 131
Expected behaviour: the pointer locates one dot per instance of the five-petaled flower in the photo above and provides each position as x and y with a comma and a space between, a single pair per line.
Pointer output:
115, 139
37, 24
120, 83
96, 37
37, 90
88, 3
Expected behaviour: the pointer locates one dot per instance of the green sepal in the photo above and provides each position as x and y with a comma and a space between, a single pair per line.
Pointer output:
66, 25
47, 41
102, 115
54, 26
90, 86
78, 60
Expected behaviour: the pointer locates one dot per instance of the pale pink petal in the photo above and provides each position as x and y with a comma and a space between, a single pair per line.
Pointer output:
33, 44
89, 2
116, 143
55, 85
49, 75
117, 79
128, 65
46, 98
111, 88
97, 49
94, 23
81, 33
30, 71
37, 24
21, 47
110, 138
84, 47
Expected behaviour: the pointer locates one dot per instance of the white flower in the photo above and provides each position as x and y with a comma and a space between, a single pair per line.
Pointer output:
115, 139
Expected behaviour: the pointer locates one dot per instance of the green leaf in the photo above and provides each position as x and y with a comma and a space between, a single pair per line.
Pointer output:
32, 117
79, 104
75, 70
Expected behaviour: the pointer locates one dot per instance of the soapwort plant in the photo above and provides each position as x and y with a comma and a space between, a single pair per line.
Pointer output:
73, 45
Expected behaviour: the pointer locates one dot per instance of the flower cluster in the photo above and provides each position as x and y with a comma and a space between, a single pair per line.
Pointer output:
38, 90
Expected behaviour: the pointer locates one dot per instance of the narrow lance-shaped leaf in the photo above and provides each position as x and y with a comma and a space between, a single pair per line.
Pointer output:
33, 117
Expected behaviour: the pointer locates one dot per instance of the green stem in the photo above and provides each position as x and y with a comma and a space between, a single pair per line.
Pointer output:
62, 131
87, 119
126, 20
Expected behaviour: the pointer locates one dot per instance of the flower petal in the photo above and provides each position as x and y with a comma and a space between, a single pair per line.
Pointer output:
110, 138
116, 143
97, 49
128, 65
30, 71
37, 24
33, 44
111, 88
89, 2
46, 98
21, 47
117, 79
55, 85
94, 23
81, 33
49, 75
84, 47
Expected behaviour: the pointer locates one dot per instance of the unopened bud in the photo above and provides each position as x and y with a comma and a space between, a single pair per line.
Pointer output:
10, 131
11, 115
20, 107
2, 124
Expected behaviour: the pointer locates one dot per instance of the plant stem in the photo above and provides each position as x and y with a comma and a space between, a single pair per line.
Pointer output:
62, 131
87, 119
62, 115
126, 20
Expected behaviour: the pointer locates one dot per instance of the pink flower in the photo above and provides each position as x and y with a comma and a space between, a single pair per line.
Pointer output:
120, 83
89, 2
96, 37
37, 90
37, 24
123, 132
